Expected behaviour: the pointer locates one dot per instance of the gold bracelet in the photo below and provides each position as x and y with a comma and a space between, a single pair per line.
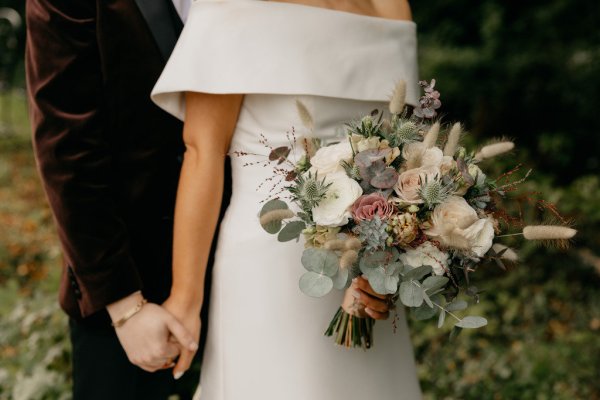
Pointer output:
119, 323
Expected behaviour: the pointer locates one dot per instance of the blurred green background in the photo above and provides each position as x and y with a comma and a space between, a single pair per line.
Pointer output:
525, 70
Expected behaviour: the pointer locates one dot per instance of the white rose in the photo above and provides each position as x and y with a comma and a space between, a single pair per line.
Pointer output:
409, 183
480, 236
426, 254
334, 209
327, 159
418, 156
455, 224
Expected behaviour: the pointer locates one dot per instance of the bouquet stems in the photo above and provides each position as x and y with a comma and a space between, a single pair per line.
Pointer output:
351, 331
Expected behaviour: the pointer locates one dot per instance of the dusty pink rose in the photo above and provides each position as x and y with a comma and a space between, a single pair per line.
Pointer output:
369, 206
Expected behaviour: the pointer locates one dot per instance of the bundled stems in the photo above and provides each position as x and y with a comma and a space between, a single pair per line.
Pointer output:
351, 331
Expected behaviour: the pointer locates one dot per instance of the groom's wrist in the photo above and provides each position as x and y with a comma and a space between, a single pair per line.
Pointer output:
117, 309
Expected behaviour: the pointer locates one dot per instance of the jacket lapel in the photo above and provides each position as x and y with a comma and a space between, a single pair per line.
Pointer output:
164, 23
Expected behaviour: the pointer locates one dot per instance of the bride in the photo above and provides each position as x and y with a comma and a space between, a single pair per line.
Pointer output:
235, 75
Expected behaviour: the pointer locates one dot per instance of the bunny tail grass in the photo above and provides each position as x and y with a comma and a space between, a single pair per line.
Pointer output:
548, 232
432, 136
275, 215
493, 150
453, 138
398, 98
350, 331
304, 115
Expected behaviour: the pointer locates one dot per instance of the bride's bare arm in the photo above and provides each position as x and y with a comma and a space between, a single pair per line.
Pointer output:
209, 125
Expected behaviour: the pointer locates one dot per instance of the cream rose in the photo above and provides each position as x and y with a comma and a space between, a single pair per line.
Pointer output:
334, 209
409, 183
327, 159
456, 224
426, 254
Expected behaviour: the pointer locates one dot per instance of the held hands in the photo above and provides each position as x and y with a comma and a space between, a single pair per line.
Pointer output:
189, 316
145, 336
361, 300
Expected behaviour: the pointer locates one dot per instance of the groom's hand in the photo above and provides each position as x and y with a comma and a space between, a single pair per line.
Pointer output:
145, 336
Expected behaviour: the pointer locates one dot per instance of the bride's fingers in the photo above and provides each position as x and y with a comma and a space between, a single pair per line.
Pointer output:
371, 302
364, 285
183, 364
377, 315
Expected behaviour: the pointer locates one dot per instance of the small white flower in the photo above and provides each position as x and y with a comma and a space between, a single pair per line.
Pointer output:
426, 254
328, 159
334, 209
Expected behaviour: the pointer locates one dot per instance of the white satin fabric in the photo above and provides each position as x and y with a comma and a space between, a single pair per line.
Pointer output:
265, 338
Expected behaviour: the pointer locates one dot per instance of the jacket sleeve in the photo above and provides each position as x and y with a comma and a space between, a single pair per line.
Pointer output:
65, 84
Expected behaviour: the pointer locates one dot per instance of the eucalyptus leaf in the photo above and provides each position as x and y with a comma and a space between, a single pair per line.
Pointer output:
410, 294
417, 273
291, 231
427, 299
372, 261
441, 318
457, 305
455, 332
274, 226
433, 283
471, 322
315, 285
320, 261
424, 312
272, 205
340, 280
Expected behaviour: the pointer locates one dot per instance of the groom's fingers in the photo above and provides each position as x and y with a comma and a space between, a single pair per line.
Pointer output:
184, 338
183, 364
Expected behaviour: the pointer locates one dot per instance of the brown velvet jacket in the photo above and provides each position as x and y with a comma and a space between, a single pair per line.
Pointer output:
108, 157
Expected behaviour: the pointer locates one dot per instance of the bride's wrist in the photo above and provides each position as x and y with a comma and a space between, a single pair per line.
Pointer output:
189, 303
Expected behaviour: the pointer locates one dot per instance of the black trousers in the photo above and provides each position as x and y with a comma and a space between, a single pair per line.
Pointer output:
101, 370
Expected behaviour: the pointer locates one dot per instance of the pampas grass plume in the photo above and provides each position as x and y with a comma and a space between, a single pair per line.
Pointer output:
398, 98
548, 232
453, 138
432, 136
493, 150
275, 215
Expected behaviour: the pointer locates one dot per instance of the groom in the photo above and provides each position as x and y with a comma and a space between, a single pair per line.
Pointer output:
110, 161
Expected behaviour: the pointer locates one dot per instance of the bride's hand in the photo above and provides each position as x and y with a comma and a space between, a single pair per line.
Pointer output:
189, 317
371, 303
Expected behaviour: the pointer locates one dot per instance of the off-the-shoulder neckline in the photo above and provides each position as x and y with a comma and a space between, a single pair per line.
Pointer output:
331, 11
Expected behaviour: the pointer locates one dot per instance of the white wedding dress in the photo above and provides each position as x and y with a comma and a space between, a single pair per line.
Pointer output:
265, 338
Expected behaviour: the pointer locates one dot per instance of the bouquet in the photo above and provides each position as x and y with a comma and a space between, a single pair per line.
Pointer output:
391, 203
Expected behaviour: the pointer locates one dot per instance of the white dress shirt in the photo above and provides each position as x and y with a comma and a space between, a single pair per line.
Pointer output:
183, 8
